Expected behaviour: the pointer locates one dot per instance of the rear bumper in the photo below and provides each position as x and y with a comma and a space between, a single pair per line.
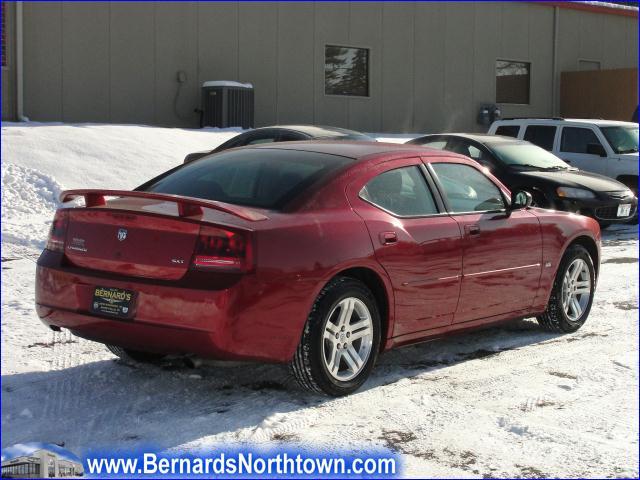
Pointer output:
229, 323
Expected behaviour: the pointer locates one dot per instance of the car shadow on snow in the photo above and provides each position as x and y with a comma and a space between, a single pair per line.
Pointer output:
110, 403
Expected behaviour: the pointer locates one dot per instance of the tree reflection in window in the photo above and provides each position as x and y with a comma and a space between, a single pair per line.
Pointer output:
512, 81
346, 71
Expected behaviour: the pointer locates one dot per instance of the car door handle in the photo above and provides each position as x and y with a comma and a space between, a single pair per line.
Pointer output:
388, 238
472, 230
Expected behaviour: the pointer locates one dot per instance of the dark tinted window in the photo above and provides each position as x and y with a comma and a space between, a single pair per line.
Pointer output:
508, 130
467, 189
291, 137
439, 143
259, 140
402, 191
576, 139
258, 177
346, 71
512, 81
541, 135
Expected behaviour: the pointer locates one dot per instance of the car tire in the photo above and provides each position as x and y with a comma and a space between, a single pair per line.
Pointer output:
567, 309
345, 309
135, 356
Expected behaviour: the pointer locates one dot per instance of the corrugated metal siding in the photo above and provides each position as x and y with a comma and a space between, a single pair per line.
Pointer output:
431, 64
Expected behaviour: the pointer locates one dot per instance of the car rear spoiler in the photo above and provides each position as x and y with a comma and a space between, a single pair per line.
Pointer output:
187, 206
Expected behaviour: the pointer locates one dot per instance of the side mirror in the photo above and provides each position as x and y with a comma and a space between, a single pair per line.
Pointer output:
521, 199
596, 149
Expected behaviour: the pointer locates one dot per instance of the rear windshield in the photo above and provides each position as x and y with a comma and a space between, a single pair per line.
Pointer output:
263, 178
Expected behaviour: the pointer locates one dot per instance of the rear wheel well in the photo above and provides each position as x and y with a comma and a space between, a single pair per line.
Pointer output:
592, 248
374, 283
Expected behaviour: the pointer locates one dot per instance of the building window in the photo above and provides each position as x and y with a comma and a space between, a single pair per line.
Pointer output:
512, 81
346, 71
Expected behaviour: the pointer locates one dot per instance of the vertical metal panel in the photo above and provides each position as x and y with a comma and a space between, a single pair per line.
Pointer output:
43, 60
258, 57
9, 70
331, 27
590, 33
176, 50
541, 58
295, 63
218, 41
85, 62
132, 67
515, 30
615, 36
365, 22
397, 66
487, 48
631, 45
458, 100
429, 73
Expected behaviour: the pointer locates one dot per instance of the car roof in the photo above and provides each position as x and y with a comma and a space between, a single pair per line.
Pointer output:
352, 149
484, 138
316, 131
562, 121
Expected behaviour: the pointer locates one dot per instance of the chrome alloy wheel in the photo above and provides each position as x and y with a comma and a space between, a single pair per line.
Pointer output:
347, 339
576, 289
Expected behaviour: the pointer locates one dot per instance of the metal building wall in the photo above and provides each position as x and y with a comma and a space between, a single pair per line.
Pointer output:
431, 64
9, 70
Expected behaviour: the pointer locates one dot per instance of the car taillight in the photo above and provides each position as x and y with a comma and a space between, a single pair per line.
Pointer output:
58, 231
221, 249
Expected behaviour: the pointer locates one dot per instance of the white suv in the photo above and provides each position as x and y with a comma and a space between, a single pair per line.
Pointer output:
606, 147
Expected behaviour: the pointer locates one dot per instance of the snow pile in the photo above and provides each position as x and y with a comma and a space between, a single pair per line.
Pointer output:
511, 401
40, 160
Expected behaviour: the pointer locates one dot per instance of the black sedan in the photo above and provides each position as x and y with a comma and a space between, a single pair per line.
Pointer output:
554, 184
284, 133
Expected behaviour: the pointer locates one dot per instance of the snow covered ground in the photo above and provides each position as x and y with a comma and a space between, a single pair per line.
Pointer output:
510, 401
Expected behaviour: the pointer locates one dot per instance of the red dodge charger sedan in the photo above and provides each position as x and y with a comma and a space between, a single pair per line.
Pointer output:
317, 254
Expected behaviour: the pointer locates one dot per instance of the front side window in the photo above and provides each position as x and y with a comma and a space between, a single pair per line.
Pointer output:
467, 189
403, 192
577, 140
346, 71
512, 81
622, 139
541, 135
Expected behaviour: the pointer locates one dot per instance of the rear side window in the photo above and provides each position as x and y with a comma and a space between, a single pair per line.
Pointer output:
403, 192
508, 130
576, 139
541, 135
467, 189
264, 178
